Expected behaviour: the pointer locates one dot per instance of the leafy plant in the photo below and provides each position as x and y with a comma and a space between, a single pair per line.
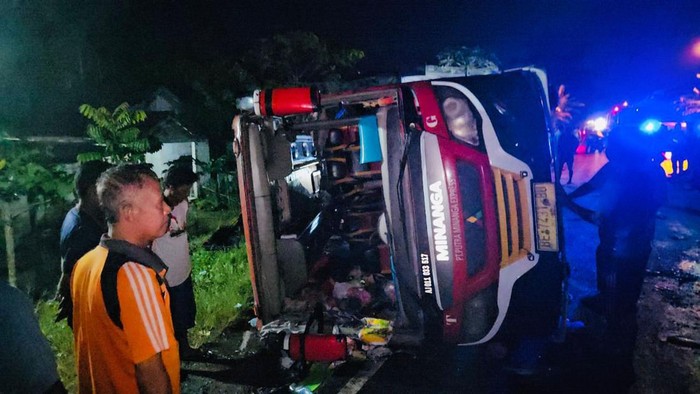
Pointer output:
468, 58
222, 188
60, 337
565, 109
117, 132
690, 103
298, 58
22, 173
218, 182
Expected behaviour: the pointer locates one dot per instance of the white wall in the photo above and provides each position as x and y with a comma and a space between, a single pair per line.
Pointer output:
174, 150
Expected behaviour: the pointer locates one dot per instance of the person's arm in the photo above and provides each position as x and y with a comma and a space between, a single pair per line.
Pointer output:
28, 362
567, 201
595, 183
152, 377
582, 190
144, 317
584, 213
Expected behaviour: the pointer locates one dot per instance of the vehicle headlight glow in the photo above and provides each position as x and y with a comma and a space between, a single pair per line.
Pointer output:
650, 126
600, 124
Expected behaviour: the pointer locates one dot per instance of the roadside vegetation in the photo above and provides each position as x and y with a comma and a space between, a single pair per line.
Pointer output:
60, 337
222, 293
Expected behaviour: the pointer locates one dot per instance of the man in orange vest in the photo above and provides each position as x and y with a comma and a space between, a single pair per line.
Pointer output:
124, 338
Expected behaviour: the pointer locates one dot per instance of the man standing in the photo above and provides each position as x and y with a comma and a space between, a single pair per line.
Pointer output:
124, 339
81, 230
27, 362
632, 189
173, 248
566, 150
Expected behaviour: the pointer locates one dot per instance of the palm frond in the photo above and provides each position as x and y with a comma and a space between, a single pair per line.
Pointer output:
89, 156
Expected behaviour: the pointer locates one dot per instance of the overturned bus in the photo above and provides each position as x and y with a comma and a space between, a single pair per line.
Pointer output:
430, 204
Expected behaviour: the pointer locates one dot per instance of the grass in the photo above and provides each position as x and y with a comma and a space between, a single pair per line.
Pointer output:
221, 279
202, 223
60, 337
223, 293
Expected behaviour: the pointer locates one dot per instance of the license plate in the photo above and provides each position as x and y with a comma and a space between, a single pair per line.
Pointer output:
546, 217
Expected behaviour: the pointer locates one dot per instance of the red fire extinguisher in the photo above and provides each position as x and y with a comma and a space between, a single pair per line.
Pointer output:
316, 347
285, 101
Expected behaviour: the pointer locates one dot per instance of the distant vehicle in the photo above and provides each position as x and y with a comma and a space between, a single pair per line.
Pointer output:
593, 141
439, 190
593, 134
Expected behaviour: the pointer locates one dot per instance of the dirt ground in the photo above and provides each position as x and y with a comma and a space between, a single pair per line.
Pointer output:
668, 344
667, 351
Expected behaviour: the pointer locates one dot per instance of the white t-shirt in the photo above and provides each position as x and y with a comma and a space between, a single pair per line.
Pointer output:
174, 247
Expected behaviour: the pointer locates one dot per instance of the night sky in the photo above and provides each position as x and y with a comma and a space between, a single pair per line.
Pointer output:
604, 51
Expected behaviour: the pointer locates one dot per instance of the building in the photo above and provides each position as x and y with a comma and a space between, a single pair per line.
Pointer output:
178, 141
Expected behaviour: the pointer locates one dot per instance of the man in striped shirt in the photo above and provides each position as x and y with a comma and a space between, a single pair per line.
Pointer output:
124, 340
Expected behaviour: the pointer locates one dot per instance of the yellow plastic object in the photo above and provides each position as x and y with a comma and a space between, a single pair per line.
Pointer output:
376, 331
